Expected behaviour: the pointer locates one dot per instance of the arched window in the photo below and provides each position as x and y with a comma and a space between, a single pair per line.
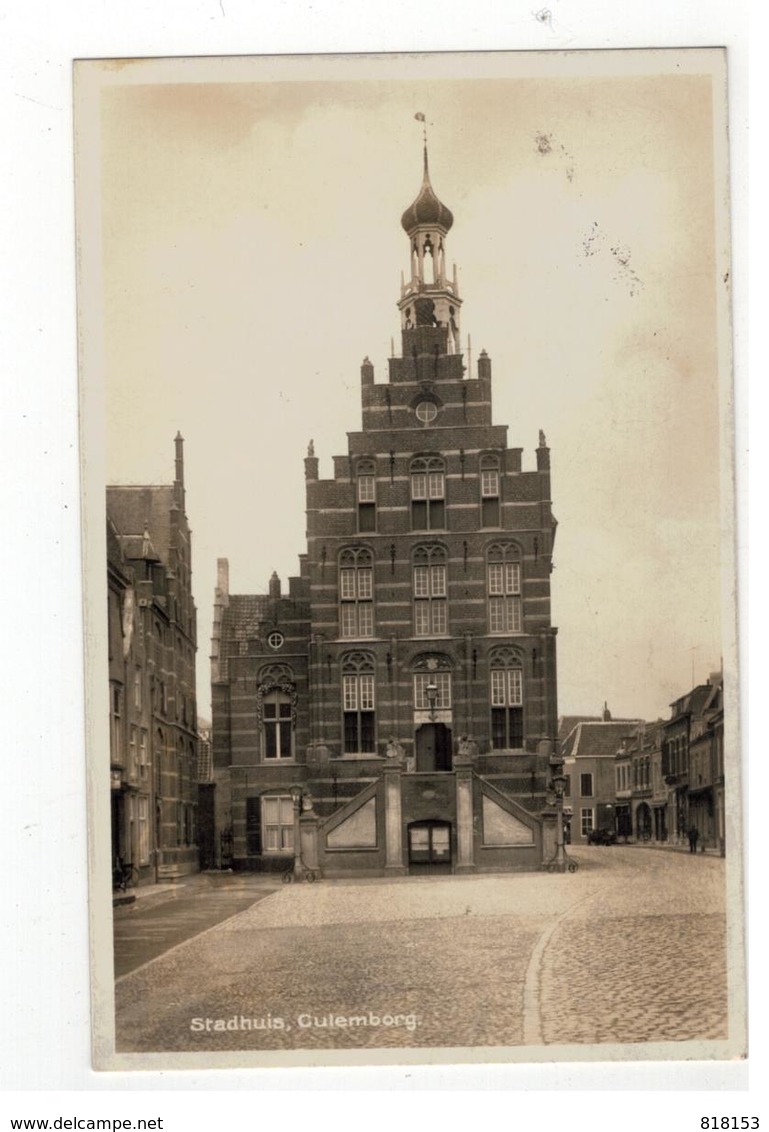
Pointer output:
358, 703
432, 683
366, 472
506, 699
504, 589
430, 591
356, 594
490, 508
276, 712
428, 494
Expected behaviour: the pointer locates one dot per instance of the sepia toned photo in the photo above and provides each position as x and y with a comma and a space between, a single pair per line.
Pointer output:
406, 405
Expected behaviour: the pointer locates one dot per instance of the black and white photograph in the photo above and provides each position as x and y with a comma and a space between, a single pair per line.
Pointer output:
407, 449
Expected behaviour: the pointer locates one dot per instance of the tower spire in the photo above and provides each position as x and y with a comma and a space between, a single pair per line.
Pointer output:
430, 298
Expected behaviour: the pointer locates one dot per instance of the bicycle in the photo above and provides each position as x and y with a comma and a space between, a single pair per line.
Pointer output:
124, 875
310, 875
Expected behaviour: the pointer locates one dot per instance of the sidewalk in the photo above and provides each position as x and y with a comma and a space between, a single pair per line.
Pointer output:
671, 847
147, 895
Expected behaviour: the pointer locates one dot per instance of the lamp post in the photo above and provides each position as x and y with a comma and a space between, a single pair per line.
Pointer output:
611, 818
558, 780
296, 798
431, 691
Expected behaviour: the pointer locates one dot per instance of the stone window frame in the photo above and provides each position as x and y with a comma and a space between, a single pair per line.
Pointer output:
504, 588
356, 593
490, 491
507, 695
430, 589
277, 680
358, 672
427, 481
365, 494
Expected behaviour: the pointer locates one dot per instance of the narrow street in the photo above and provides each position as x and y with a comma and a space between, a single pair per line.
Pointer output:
156, 922
629, 949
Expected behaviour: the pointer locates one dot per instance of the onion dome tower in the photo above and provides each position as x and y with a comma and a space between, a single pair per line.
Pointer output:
429, 298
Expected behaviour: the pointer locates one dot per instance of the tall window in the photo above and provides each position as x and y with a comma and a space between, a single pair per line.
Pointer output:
132, 735
277, 824
366, 496
441, 681
586, 785
277, 729
430, 592
137, 688
585, 821
506, 692
358, 704
115, 724
504, 589
428, 494
158, 761
144, 830
490, 510
143, 763
356, 594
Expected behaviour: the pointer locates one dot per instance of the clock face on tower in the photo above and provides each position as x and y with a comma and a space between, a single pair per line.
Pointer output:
426, 412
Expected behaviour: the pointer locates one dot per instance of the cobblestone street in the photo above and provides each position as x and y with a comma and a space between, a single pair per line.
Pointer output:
629, 949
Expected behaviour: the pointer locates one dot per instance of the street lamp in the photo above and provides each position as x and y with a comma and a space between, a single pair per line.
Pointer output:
431, 691
558, 780
296, 798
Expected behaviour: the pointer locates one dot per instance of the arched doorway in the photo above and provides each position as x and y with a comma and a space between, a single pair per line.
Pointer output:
433, 747
430, 846
643, 820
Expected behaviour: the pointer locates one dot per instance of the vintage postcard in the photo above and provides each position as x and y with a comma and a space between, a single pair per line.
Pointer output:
409, 547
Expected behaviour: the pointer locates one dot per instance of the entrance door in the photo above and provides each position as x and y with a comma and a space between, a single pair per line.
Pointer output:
430, 847
433, 747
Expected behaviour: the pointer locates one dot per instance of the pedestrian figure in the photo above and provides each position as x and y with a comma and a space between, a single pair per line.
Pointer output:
693, 834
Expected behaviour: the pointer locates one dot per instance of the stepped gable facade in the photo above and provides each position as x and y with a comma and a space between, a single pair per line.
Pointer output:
396, 710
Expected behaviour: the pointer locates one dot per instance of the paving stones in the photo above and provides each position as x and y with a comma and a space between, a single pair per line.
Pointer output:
635, 952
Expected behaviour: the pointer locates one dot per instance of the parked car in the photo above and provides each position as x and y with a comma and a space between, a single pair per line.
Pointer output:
602, 837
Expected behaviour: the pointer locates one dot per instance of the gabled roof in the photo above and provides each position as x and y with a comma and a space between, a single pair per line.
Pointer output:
136, 509
596, 739
242, 617
693, 703
567, 723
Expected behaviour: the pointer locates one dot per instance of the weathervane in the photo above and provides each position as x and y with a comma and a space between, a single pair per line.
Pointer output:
421, 118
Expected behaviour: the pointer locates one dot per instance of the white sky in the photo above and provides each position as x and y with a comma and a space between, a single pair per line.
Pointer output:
252, 255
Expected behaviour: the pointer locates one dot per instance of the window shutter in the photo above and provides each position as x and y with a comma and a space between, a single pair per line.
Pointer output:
253, 826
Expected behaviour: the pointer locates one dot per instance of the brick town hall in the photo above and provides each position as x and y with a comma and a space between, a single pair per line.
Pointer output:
395, 710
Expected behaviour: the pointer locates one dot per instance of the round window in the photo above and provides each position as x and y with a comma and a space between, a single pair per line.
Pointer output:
426, 412
275, 640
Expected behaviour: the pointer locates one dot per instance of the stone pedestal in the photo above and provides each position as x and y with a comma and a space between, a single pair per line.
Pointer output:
549, 834
394, 865
308, 840
465, 841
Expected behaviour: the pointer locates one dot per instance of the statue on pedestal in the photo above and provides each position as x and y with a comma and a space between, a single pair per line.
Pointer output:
395, 750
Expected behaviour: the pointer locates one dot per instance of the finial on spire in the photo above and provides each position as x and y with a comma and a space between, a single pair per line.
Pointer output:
421, 118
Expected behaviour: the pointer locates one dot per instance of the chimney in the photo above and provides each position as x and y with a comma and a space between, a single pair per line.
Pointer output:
543, 454
222, 579
179, 471
274, 585
366, 372
606, 712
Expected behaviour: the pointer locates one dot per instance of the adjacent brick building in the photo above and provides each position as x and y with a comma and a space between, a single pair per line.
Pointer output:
406, 683
590, 749
152, 644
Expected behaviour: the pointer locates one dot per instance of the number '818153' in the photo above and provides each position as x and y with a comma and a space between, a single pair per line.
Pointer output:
729, 1122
